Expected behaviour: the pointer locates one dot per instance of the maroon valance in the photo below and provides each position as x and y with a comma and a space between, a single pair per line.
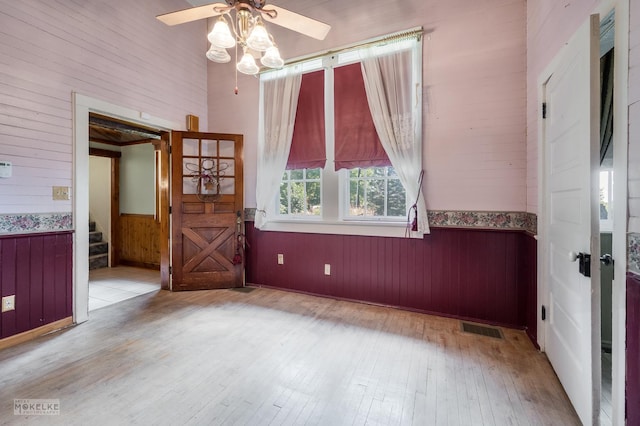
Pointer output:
356, 141
308, 144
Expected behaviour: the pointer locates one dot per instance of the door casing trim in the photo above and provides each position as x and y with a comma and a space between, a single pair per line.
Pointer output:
82, 105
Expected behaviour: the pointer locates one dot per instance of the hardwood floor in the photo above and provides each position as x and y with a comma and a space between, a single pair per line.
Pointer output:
272, 357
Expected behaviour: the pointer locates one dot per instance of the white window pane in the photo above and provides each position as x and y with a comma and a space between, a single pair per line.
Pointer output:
227, 149
227, 186
189, 186
227, 167
190, 166
209, 148
209, 166
190, 147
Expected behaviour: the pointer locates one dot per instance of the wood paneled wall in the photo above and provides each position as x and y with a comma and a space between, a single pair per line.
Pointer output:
487, 276
139, 241
528, 284
633, 349
37, 269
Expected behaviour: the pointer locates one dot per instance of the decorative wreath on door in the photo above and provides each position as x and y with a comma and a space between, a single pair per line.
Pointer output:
207, 178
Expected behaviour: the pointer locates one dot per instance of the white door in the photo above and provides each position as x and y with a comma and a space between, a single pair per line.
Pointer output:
570, 220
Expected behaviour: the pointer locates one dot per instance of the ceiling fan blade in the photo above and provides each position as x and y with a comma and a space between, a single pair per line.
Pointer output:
192, 14
296, 22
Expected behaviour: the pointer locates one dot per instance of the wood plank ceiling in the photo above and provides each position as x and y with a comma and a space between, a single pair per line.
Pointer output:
116, 133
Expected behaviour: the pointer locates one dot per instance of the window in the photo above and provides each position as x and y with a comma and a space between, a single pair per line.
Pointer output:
360, 182
376, 193
300, 193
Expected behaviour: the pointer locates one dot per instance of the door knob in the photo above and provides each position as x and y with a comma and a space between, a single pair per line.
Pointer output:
584, 262
606, 259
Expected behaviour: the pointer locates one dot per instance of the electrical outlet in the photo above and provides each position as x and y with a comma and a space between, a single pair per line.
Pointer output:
327, 269
9, 303
60, 193
280, 259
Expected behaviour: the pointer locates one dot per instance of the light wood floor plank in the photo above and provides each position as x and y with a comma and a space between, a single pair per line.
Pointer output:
270, 357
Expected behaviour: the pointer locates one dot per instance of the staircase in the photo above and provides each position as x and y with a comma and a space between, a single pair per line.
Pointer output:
98, 249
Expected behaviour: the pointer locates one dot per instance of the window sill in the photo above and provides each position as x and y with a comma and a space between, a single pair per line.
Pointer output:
351, 227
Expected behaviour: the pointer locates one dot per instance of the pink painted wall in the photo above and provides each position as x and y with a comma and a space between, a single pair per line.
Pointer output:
474, 92
114, 51
550, 23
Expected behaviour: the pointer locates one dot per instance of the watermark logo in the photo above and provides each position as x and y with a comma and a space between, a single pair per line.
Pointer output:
36, 407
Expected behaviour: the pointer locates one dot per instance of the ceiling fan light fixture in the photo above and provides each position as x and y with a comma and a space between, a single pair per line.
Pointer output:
216, 54
220, 36
247, 64
240, 23
272, 58
259, 39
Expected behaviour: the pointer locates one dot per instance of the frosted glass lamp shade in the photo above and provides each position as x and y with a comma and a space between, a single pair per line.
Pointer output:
259, 38
220, 36
247, 65
272, 58
216, 54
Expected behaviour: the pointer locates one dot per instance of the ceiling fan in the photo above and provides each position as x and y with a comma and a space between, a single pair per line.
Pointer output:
271, 13
249, 31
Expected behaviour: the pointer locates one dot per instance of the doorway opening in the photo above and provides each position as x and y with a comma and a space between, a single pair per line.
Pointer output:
124, 222
82, 107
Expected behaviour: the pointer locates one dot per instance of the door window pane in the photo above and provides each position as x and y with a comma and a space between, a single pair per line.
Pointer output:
209, 148
227, 149
227, 186
190, 147
189, 185
227, 167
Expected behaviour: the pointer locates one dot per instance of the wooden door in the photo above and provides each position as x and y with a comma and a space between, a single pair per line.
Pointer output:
207, 217
571, 166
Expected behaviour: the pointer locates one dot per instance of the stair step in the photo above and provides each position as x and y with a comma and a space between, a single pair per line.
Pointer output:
98, 248
92, 226
98, 261
95, 237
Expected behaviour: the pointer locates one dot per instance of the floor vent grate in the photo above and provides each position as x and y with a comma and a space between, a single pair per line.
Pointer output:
482, 330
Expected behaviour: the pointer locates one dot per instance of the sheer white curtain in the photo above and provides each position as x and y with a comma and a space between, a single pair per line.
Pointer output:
277, 118
394, 100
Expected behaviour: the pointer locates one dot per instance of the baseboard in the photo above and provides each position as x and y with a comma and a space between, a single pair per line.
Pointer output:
16, 339
533, 338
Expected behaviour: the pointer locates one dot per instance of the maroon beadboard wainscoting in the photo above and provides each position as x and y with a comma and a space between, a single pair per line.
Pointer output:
633, 349
483, 275
37, 268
